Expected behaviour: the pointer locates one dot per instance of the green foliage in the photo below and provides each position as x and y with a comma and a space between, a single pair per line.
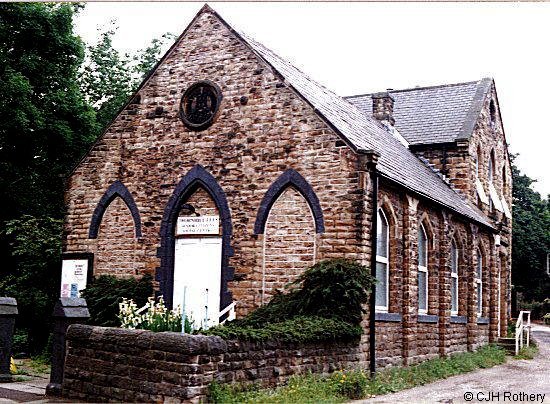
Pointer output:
46, 127
546, 318
537, 309
309, 388
295, 329
531, 240
350, 384
343, 386
527, 352
35, 246
331, 289
105, 292
400, 378
323, 304
108, 78
46, 122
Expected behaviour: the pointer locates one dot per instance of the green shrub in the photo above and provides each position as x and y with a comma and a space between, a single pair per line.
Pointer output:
527, 352
350, 384
20, 343
105, 292
546, 318
537, 309
296, 329
335, 288
323, 304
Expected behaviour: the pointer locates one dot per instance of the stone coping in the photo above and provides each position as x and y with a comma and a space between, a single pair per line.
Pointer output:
428, 318
388, 317
482, 320
459, 319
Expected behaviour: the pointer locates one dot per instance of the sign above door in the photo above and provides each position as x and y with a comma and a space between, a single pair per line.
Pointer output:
198, 225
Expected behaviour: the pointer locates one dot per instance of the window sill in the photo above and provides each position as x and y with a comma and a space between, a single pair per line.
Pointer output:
387, 317
459, 319
428, 318
482, 320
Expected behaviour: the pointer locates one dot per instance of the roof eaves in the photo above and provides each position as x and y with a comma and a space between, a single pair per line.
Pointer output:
469, 124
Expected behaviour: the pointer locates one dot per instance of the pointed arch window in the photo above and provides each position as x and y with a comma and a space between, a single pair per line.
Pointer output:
454, 279
490, 177
479, 282
422, 270
478, 160
491, 173
382, 262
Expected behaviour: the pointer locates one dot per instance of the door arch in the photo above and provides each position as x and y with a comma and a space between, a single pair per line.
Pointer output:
196, 178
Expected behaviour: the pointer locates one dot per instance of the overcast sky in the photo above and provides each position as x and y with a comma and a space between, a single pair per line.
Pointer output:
355, 48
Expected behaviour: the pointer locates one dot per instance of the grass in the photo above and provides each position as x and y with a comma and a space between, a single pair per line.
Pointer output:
36, 366
342, 386
527, 352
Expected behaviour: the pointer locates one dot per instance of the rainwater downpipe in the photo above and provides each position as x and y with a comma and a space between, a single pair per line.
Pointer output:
370, 161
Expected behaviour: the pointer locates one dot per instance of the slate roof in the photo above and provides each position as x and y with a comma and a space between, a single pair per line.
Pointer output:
437, 114
361, 131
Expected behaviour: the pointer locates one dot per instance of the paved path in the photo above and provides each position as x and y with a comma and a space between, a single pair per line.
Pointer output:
30, 390
515, 377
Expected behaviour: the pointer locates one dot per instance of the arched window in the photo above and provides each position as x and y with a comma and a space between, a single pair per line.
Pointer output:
491, 173
490, 178
422, 270
454, 279
479, 282
382, 267
478, 160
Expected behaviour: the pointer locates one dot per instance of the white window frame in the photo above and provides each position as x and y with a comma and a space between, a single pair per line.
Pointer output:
454, 257
424, 269
479, 283
384, 260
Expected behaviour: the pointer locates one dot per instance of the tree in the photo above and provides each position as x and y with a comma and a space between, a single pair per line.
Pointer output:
531, 239
53, 106
108, 78
46, 122
46, 126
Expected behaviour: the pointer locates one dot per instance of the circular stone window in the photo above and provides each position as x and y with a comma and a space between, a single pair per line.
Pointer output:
200, 104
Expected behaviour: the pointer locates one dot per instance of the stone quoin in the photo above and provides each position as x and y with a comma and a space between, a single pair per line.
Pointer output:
223, 127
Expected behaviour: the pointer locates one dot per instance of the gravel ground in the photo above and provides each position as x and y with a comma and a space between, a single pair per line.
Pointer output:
514, 381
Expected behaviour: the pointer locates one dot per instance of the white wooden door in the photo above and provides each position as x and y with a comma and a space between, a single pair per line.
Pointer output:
197, 279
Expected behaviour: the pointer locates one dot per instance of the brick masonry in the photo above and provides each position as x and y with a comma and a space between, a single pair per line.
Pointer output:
106, 364
252, 145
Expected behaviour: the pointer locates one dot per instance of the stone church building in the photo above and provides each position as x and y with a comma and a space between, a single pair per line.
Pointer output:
230, 171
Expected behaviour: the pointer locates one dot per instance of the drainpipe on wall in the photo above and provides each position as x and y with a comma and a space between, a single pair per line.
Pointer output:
370, 159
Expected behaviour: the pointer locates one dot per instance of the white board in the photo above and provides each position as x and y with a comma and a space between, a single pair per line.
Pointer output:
198, 225
197, 279
74, 273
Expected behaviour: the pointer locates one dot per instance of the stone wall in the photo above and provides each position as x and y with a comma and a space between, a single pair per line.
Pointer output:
104, 364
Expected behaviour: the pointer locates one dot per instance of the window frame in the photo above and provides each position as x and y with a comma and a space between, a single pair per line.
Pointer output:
423, 268
478, 280
384, 260
454, 275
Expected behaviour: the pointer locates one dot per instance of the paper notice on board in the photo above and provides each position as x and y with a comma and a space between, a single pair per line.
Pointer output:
74, 274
